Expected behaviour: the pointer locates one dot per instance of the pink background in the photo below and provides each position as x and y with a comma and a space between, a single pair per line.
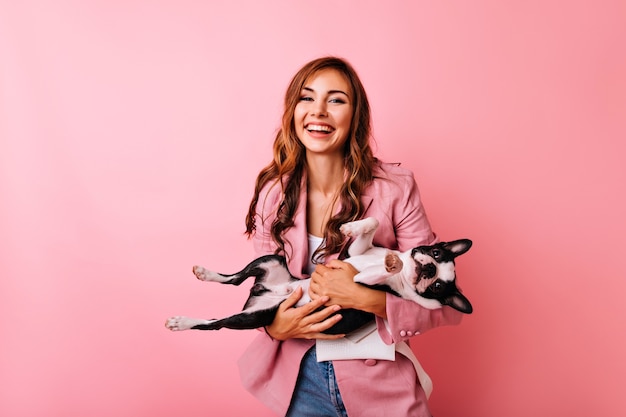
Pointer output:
131, 133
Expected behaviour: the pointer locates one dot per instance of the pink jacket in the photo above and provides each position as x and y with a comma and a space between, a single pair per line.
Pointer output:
269, 368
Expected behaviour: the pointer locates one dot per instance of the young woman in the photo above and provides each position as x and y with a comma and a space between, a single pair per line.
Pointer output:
324, 174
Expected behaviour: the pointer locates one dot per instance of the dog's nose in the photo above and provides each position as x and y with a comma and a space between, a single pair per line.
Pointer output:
429, 270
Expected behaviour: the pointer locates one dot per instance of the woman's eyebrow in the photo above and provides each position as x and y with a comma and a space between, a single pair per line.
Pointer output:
329, 92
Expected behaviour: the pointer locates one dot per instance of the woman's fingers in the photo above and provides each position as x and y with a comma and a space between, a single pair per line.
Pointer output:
328, 336
317, 322
314, 304
337, 264
323, 314
315, 329
307, 321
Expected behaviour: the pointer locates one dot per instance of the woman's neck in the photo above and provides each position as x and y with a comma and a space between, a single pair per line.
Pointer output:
325, 175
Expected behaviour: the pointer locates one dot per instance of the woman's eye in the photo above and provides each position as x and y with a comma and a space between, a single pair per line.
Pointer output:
337, 101
305, 98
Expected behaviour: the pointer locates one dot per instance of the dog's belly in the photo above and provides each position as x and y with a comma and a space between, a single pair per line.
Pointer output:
276, 294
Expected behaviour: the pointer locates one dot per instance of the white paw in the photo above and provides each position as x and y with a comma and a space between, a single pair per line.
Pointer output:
204, 274
359, 227
178, 323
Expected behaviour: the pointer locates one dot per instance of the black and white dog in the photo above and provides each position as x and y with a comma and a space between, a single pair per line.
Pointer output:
425, 275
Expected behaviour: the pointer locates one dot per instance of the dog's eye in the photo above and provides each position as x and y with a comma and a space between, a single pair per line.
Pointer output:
436, 253
436, 287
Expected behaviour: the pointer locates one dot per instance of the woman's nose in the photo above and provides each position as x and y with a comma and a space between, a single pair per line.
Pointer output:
319, 109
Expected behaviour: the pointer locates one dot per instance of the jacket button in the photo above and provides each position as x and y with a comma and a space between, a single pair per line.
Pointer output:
402, 333
370, 362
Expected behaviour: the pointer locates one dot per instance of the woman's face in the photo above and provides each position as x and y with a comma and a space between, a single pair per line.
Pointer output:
323, 114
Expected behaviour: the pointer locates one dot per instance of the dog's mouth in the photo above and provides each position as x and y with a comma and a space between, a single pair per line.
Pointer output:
426, 275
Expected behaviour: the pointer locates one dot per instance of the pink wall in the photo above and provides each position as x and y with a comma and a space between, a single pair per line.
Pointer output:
131, 132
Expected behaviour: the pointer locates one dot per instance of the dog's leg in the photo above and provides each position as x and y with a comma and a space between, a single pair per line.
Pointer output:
373, 275
179, 323
363, 233
260, 267
240, 321
204, 274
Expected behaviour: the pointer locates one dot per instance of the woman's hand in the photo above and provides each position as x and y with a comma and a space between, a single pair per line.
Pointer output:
335, 280
303, 322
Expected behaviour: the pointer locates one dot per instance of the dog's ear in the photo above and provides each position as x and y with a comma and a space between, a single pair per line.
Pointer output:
458, 247
458, 302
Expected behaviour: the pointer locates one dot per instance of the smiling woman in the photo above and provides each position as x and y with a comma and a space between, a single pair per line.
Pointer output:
324, 174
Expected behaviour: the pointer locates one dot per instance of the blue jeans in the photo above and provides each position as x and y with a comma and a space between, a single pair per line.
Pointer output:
316, 393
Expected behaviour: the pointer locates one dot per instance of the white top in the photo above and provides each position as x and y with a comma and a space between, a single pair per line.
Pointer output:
314, 243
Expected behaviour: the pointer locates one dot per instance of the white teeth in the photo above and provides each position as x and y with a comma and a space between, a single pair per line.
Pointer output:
319, 128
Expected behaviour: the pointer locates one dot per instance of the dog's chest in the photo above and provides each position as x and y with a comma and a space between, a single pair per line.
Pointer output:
372, 258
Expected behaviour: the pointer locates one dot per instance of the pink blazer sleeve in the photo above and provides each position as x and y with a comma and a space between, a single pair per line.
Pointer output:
412, 228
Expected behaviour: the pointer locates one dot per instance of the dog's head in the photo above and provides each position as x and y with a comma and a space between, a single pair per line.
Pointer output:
435, 273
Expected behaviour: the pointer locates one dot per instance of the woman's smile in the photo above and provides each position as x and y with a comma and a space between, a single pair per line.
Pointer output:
320, 128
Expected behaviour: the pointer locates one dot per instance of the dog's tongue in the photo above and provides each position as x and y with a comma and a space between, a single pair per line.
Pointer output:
423, 284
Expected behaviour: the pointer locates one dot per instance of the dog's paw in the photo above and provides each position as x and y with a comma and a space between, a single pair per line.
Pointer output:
204, 274
178, 323
393, 263
359, 227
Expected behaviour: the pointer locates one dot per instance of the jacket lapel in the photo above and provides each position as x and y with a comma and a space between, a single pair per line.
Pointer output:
367, 203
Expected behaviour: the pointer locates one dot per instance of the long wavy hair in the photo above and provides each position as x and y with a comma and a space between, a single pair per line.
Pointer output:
289, 162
